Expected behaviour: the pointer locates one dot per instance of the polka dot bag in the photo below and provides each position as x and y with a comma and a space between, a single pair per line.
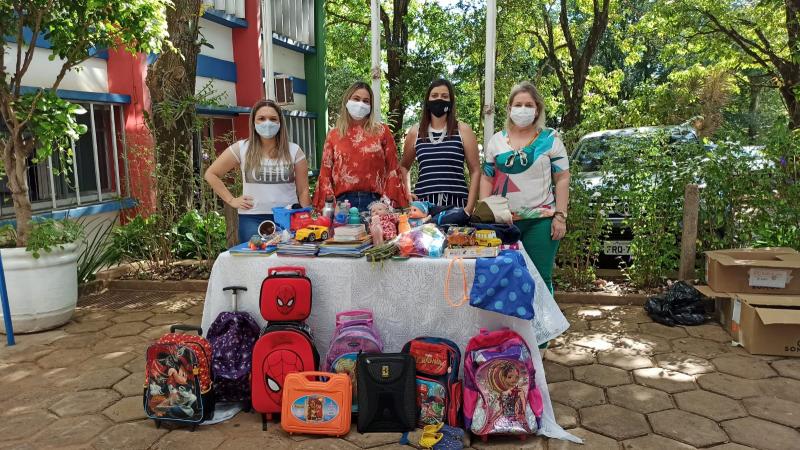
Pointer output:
503, 285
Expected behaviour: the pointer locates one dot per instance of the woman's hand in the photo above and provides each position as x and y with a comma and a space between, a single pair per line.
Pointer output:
411, 197
243, 202
558, 229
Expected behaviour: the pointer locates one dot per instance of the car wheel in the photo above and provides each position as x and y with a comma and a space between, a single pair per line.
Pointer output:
324, 235
311, 237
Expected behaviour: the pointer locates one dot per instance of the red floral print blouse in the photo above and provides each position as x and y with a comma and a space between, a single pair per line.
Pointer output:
360, 162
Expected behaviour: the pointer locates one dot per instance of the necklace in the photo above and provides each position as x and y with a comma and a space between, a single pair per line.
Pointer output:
436, 140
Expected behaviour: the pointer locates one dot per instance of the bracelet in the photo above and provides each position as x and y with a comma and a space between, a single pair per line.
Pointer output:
561, 215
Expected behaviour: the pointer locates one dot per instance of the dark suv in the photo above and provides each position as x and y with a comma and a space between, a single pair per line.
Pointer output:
591, 151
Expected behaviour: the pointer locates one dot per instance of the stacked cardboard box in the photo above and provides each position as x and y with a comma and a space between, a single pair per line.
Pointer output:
758, 297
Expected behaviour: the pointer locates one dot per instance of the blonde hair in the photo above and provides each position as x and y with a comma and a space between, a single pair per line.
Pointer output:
255, 151
527, 87
372, 126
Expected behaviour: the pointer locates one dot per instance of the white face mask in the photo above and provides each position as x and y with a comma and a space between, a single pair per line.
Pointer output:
268, 129
522, 116
358, 110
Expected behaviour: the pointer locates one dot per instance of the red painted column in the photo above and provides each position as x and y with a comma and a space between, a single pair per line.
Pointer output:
126, 75
247, 56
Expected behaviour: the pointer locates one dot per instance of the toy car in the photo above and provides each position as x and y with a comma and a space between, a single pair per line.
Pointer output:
487, 238
312, 233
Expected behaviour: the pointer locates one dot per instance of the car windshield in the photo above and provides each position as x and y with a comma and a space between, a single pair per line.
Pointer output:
592, 150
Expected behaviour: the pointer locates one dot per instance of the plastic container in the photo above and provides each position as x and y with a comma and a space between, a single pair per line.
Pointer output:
283, 216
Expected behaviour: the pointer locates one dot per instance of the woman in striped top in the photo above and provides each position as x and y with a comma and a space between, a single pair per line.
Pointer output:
441, 144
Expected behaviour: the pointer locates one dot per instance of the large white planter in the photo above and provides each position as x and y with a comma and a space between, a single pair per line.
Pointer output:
42, 291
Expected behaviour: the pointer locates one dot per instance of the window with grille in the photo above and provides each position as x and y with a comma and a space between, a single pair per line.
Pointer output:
96, 166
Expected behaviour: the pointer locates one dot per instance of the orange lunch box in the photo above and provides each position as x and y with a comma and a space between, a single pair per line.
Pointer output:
317, 407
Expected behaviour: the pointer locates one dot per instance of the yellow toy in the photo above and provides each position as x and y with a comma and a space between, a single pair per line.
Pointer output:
487, 238
312, 233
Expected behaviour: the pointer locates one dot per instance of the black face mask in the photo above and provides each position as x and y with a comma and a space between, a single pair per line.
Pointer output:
439, 108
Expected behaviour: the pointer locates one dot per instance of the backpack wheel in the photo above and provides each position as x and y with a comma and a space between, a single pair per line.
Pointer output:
263, 422
194, 427
158, 423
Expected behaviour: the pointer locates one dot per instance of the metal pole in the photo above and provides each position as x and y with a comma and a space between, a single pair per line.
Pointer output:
96, 159
6, 308
376, 58
75, 172
124, 150
488, 102
266, 49
114, 147
52, 181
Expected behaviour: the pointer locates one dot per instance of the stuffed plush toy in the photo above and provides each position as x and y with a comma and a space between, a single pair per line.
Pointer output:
418, 214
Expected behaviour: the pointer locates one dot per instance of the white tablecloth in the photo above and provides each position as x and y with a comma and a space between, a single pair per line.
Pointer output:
406, 297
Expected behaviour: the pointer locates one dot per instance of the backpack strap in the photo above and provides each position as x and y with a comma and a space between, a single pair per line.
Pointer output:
464, 296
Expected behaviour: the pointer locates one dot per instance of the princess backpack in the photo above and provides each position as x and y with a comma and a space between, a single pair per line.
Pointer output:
500, 392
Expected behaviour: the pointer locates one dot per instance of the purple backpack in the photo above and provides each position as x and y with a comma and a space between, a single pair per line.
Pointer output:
355, 333
232, 336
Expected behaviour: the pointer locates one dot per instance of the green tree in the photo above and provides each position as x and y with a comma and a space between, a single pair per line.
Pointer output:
767, 33
38, 123
171, 81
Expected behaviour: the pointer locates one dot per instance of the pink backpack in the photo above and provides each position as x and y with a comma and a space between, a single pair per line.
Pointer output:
500, 393
355, 333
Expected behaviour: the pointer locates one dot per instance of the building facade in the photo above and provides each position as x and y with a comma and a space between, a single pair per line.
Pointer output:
113, 161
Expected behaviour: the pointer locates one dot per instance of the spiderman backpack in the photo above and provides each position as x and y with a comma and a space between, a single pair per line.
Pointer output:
286, 295
286, 345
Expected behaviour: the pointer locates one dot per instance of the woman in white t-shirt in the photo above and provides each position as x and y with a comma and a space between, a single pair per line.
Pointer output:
274, 170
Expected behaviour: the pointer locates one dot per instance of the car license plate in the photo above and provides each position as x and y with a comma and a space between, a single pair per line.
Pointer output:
617, 248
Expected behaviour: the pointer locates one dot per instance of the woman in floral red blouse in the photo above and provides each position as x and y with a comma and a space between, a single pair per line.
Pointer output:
359, 161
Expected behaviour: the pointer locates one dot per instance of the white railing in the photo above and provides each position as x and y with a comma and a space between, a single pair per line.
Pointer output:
294, 19
302, 131
96, 173
229, 7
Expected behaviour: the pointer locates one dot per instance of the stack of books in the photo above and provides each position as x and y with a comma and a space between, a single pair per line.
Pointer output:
295, 248
349, 233
244, 250
349, 249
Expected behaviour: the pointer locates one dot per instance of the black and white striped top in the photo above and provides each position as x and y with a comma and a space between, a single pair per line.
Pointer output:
441, 171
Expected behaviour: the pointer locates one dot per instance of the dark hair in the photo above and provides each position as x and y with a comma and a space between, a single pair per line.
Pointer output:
425, 120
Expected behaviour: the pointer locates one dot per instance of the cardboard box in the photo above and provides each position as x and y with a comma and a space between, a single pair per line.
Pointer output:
757, 271
767, 324
471, 252
722, 305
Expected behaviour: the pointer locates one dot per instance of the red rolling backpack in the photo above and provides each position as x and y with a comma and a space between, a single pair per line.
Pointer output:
286, 345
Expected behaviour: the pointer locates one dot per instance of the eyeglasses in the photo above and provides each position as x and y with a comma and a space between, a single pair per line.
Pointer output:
523, 158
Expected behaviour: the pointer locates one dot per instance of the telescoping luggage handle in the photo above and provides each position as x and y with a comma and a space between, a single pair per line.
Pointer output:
355, 317
291, 270
175, 328
235, 290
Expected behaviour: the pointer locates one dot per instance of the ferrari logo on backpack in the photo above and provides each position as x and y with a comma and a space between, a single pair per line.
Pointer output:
385, 371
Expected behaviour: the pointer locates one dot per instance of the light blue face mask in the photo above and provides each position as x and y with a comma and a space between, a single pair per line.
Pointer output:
268, 129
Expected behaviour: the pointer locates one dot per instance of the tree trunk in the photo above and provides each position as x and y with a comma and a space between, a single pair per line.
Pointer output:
573, 115
752, 110
171, 81
396, 54
16, 167
790, 97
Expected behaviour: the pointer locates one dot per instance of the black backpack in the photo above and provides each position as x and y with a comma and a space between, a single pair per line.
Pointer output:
386, 392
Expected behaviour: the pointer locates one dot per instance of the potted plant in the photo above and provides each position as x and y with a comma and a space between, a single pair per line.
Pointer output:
37, 123
41, 279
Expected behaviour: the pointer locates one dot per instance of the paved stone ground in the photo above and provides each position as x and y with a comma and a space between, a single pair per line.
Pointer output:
617, 380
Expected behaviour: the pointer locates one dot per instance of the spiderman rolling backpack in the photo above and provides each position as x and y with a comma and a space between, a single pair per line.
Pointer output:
286, 345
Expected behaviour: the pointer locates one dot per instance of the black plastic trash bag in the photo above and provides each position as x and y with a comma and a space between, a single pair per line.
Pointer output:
682, 304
